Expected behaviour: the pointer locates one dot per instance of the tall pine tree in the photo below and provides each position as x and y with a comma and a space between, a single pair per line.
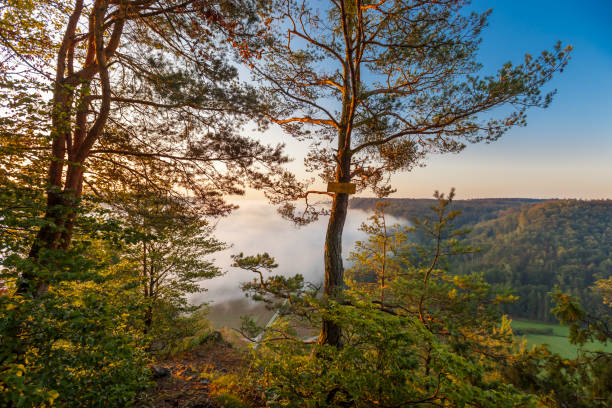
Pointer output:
376, 85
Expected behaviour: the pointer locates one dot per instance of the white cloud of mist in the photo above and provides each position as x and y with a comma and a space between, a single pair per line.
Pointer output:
255, 228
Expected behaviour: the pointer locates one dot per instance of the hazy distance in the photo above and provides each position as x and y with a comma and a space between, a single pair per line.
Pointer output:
256, 227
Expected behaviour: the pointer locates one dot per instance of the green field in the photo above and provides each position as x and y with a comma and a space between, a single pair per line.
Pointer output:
558, 341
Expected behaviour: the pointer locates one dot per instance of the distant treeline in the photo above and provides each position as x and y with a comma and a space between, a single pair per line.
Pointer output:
472, 211
528, 245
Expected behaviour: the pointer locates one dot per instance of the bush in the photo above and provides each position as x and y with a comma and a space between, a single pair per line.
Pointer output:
386, 360
74, 345
545, 331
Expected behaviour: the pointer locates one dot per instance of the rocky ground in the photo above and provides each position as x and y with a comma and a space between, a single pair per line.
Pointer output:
187, 380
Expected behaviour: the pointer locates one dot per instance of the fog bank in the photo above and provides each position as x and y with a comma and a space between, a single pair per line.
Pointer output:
256, 227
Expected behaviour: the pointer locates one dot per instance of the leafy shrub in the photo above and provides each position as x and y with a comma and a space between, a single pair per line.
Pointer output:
74, 349
75, 344
229, 401
545, 331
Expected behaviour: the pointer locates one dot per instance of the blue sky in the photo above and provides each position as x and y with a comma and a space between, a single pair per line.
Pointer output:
566, 150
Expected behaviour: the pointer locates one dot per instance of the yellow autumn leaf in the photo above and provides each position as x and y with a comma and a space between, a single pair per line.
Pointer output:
52, 396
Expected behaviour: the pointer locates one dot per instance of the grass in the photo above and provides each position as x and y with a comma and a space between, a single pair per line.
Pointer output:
558, 341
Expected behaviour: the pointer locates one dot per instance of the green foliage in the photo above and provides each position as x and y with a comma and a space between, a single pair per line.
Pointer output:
166, 254
585, 326
78, 333
472, 211
77, 343
180, 333
529, 247
536, 248
376, 87
229, 401
558, 242
424, 337
585, 381
81, 340
273, 290
387, 361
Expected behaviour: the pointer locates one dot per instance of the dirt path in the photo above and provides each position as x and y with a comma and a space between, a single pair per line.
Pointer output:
187, 381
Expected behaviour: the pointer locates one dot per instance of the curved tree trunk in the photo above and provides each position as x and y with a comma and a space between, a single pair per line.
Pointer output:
49, 233
62, 197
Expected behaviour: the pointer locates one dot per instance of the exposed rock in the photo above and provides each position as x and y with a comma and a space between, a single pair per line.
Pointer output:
160, 372
204, 404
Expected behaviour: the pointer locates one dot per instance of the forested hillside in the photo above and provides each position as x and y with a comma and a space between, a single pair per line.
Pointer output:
535, 248
472, 211
530, 246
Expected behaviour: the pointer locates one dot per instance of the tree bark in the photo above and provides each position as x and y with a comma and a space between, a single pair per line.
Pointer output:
331, 332
72, 194
62, 197
48, 235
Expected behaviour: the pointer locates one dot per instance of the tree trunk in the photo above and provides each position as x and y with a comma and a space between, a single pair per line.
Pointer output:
59, 216
72, 194
49, 233
148, 319
331, 332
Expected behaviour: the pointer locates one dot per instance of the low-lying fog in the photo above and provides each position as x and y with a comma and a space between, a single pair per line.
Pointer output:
255, 228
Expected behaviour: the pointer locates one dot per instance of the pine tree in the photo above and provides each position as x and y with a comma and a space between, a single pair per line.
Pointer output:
167, 251
432, 338
376, 85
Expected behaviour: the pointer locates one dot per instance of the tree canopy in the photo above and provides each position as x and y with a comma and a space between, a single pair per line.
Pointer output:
144, 97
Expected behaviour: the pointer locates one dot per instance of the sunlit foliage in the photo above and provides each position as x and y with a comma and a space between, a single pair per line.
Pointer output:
424, 337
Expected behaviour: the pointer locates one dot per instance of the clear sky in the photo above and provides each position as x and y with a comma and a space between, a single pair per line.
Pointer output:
566, 150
